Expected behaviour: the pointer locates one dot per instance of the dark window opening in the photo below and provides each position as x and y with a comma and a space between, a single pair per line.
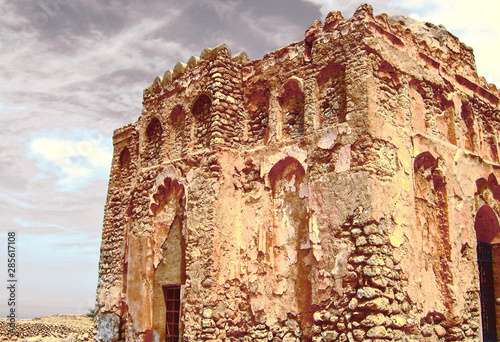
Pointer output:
486, 281
172, 295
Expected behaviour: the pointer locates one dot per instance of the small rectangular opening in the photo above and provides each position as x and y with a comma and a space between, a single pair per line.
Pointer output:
487, 291
172, 295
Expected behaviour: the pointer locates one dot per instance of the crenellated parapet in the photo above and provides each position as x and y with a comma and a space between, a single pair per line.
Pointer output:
220, 100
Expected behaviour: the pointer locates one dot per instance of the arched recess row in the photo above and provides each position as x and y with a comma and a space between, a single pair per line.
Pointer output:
432, 111
431, 207
467, 125
179, 137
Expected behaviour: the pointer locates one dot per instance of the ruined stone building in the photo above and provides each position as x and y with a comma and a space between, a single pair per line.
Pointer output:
341, 188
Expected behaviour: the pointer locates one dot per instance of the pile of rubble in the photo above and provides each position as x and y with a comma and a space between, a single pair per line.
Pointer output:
67, 328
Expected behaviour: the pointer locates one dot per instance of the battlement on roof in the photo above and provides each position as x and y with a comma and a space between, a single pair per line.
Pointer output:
432, 45
231, 101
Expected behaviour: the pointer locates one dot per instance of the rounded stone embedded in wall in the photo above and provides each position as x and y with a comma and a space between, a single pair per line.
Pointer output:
379, 332
358, 334
368, 292
317, 317
361, 241
376, 260
207, 283
207, 313
439, 330
329, 335
353, 304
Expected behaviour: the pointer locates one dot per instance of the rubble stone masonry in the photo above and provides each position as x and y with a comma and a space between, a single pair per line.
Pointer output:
334, 190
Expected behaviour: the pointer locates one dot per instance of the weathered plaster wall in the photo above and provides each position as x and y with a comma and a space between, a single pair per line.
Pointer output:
327, 191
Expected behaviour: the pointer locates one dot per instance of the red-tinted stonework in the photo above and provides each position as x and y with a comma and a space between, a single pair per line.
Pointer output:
334, 190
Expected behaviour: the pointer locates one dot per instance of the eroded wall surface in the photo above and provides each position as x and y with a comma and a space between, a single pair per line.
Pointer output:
325, 192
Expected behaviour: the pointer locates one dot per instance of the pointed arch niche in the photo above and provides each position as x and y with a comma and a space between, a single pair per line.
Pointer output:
168, 215
487, 229
201, 113
124, 163
291, 246
468, 126
431, 206
332, 94
257, 106
152, 146
178, 136
292, 101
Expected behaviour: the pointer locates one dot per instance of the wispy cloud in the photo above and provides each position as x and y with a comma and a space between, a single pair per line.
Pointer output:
61, 247
273, 30
76, 161
24, 223
11, 199
347, 7
4, 109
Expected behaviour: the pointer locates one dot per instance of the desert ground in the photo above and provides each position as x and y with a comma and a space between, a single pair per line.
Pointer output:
67, 328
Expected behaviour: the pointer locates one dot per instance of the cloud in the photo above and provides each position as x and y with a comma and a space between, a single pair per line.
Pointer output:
62, 247
265, 28
4, 109
326, 6
24, 223
75, 162
44, 211
9, 200
347, 7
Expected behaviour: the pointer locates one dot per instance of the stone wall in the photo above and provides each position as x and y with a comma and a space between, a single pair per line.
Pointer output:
325, 192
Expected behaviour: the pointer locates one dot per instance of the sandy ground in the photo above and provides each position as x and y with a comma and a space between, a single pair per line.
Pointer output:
68, 328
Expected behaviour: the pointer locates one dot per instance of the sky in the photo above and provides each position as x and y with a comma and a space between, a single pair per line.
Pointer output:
73, 71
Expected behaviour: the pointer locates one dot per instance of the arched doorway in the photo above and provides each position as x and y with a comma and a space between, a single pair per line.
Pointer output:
488, 239
169, 250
